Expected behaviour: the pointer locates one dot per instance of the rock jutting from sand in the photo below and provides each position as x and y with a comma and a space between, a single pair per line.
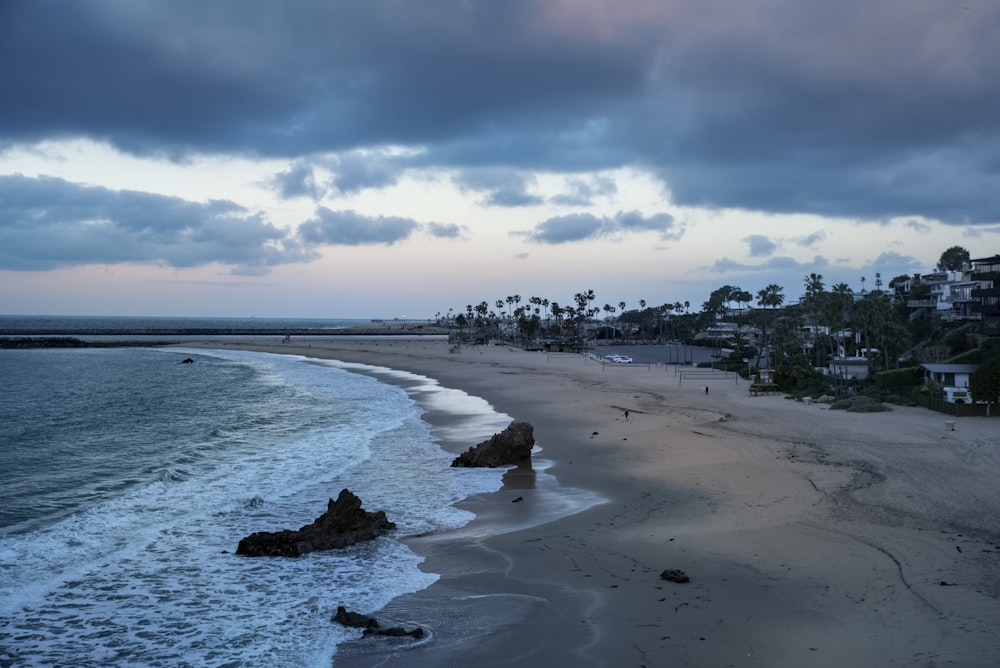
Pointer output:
511, 446
344, 523
674, 575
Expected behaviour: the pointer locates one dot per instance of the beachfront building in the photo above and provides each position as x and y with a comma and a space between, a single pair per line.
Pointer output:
851, 367
953, 379
985, 272
942, 296
730, 332
972, 295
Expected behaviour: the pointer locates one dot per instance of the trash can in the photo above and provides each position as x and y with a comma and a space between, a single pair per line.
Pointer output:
949, 425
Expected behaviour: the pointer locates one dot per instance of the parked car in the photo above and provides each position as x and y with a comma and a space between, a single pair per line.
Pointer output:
623, 359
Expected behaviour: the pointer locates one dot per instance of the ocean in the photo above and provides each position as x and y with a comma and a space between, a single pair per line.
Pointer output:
127, 479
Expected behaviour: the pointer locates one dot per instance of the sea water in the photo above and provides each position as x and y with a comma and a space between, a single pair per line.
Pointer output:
128, 477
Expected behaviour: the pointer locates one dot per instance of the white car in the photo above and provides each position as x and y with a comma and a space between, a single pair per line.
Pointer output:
621, 359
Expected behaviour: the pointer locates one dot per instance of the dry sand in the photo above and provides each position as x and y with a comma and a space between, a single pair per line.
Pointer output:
812, 537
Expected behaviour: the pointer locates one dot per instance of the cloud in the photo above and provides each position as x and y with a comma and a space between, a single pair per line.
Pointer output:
355, 171
867, 111
445, 230
783, 263
891, 264
503, 187
790, 273
760, 245
918, 226
298, 181
585, 226
48, 222
811, 240
349, 228
581, 192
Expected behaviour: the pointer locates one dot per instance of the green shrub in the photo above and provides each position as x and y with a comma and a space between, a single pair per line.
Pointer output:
859, 404
899, 378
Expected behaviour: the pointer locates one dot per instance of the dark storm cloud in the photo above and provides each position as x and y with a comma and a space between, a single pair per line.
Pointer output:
585, 226
350, 228
850, 109
47, 223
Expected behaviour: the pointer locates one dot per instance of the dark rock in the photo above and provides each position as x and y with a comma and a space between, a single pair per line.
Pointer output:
511, 446
371, 626
187, 360
394, 632
674, 575
344, 523
354, 619
518, 499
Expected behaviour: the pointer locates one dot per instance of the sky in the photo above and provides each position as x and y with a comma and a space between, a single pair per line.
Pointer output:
381, 159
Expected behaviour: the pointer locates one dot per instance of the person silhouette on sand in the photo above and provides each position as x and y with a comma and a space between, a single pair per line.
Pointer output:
626, 415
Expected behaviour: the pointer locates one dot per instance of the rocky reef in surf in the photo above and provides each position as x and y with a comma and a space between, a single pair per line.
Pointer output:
511, 446
371, 626
344, 523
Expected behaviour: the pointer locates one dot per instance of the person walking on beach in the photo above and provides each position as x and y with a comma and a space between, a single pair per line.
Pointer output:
706, 389
626, 415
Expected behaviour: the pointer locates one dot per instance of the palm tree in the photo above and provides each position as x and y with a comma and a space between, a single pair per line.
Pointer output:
610, 310
557, 313
771, 296
814, 288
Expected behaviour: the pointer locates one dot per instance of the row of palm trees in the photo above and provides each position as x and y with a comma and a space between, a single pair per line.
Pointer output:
780, 329
541, 314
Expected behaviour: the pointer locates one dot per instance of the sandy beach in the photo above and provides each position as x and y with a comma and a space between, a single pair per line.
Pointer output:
811, 537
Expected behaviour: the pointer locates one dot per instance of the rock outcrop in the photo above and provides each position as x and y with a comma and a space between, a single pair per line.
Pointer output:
344, 523
371, 626
511, 446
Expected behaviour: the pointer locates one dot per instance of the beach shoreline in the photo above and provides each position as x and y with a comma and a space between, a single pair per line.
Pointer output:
811, 537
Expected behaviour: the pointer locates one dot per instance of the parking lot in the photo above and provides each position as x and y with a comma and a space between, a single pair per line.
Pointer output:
658, 354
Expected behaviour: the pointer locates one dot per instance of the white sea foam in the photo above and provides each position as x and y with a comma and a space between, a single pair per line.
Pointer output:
145, 574
150, 577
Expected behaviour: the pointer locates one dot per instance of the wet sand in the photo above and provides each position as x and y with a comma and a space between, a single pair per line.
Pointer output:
811, 537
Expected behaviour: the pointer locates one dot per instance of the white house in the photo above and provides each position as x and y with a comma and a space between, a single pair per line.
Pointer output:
953, 379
